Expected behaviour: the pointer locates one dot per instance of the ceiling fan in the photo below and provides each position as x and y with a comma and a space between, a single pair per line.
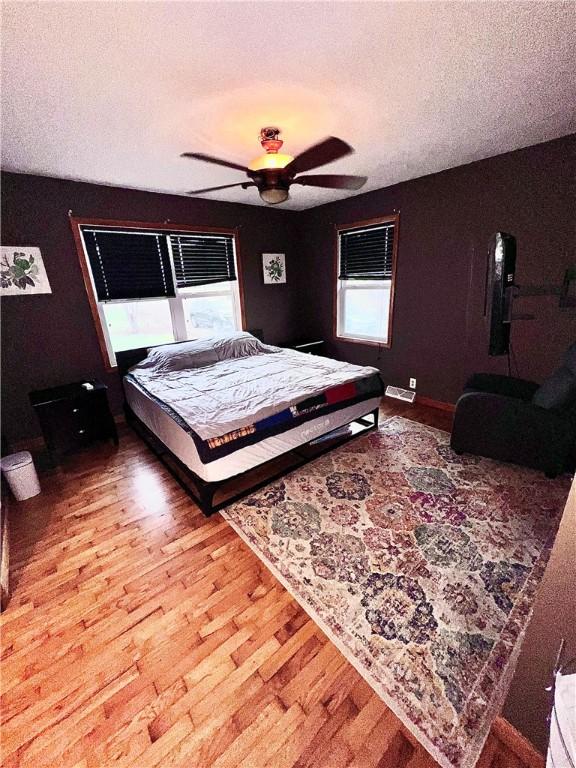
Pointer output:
273, 172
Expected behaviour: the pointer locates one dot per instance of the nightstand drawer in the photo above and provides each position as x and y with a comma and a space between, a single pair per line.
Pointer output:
75, 415
65, 424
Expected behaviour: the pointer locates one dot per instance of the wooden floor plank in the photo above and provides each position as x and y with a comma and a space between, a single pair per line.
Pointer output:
255, 733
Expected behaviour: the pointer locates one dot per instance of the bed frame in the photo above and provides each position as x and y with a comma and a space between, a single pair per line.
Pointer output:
203, 492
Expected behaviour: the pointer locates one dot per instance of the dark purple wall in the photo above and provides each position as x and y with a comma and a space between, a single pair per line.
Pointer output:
50, 339
440, 334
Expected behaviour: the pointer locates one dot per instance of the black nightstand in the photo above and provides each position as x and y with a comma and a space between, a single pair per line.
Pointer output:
310, 346
72, 416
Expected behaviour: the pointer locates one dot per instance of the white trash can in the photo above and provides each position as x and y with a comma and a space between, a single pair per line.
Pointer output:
20, 474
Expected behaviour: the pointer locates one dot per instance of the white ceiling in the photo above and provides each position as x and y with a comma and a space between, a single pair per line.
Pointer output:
113, 92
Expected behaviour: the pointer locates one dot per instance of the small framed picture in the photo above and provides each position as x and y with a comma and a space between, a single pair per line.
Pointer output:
274, 266
22, 271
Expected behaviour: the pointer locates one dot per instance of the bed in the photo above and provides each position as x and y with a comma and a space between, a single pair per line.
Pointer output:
221, 407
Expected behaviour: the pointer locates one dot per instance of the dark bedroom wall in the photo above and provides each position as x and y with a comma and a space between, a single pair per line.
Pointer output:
440, 334
50, 339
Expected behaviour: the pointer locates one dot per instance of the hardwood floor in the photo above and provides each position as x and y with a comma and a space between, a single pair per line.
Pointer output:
140, 633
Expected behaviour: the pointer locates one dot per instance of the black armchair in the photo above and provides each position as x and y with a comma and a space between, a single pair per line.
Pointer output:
514, 420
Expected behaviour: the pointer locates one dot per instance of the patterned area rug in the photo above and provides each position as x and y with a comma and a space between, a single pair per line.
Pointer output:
420, 565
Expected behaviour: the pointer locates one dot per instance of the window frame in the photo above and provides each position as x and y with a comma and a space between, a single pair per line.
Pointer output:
175, 302
338, 292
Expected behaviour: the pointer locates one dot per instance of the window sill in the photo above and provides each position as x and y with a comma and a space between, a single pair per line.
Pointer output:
367, 342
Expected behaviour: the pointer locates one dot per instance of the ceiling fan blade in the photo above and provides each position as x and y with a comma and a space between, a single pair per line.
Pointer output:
215, 160
244, 184
325, 152
332, 181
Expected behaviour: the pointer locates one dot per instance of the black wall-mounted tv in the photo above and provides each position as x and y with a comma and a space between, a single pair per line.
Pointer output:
501, 269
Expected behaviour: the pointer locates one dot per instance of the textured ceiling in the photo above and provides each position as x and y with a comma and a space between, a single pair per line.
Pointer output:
113, 92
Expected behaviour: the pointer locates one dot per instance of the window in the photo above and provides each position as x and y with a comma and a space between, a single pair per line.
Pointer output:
366, 261
205, 314
156, 284
205, 274
133, 324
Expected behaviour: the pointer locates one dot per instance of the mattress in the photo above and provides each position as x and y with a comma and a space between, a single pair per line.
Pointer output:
217, 391
233, 391
178, 440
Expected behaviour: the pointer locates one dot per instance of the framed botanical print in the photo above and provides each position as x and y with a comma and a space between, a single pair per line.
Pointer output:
22, 271
274, 266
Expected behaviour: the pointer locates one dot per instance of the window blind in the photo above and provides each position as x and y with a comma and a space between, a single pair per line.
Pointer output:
128, 265
202, 259
367, 253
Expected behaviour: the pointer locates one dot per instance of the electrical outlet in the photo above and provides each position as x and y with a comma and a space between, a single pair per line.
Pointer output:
412, 383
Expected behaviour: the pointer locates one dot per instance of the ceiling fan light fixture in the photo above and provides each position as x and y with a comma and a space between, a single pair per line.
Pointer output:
274, 196
270, 160
273, 173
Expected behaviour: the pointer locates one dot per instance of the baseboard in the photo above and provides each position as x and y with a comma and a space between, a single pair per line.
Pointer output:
517, 743
32, 444
421, 400
4, 559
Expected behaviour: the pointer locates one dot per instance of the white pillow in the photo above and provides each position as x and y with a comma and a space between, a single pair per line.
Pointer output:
185, 354
201, 352
241, 344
